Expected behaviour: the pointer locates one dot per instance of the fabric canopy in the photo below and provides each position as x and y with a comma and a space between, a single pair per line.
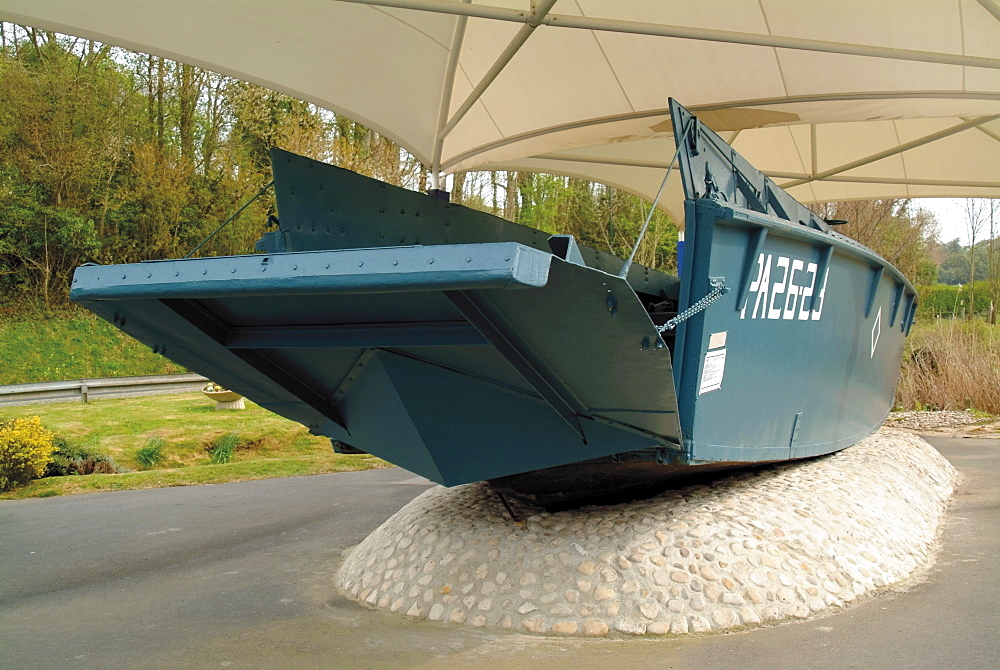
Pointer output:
835, 100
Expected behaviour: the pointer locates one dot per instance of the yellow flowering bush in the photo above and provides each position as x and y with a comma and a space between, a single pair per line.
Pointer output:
25, 449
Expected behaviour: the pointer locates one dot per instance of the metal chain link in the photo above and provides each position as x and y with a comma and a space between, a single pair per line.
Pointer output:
719, 289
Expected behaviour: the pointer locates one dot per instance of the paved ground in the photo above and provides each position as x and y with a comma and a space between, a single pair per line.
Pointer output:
240, 575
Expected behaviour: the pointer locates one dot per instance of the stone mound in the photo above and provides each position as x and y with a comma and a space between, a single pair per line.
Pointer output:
774, 543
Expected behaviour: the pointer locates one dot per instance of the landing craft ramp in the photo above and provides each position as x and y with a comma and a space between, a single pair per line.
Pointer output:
460, 362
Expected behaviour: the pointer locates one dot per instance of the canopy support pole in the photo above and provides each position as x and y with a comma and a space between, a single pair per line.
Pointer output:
991, 7
813, 148
759, 102
986, 131
927, 139
532, 22
684, 32
895, 181
446, 91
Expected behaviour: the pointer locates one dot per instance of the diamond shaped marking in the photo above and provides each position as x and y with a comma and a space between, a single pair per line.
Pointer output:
876, 331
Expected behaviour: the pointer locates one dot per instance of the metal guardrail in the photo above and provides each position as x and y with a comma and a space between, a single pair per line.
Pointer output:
85, 389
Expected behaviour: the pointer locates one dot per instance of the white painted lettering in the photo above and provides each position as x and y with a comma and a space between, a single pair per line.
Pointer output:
754, 286
807, 292
793, 291
790, 294
763, 288
778, 289
818, 311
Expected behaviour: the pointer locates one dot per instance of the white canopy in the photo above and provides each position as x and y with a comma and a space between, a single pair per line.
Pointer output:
836, 100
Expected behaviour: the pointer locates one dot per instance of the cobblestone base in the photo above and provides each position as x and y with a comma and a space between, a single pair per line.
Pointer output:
782, 542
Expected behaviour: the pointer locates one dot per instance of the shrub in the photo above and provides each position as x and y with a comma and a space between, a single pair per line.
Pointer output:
25, 450
951, 364
224, 447
71, 459
946, 300
152, 452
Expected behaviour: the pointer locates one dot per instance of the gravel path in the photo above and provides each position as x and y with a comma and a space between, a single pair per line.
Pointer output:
781, 542
937, 420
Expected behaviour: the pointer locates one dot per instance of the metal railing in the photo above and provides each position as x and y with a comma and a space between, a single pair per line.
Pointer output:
85, 389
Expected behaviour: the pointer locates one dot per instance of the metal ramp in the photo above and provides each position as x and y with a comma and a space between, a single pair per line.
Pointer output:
460, 362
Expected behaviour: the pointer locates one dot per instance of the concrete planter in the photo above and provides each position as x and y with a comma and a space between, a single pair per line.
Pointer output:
226, 399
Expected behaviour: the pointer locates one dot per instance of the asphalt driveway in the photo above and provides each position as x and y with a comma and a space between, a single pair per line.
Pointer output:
241, 575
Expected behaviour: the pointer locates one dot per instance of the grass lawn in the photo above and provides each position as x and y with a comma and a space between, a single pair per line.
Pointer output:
71, 343
268, 445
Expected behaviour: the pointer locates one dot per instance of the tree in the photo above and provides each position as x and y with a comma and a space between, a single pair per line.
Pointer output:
974, 219
991, 216
899, 232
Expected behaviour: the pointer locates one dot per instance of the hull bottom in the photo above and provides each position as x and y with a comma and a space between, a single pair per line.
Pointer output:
603, 482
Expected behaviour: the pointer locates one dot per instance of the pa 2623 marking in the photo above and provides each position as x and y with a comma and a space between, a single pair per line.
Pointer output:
784, 289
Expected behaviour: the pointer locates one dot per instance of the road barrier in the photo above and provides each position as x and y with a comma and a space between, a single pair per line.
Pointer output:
84, 389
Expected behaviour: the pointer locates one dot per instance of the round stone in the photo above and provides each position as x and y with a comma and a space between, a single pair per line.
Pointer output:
724, 618
700, 624
527, 607
561, 610
630, 626
565, 627
535, 624
603, 593
595, 628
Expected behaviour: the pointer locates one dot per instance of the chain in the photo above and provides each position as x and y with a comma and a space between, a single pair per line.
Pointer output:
719, 289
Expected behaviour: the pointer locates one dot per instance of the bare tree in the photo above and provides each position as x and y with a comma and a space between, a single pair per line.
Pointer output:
991, 259
975, 216
901, 233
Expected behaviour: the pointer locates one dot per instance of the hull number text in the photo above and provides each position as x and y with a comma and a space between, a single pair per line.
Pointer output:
784, 289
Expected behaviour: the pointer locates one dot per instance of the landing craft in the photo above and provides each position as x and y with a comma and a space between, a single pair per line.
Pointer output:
543, 356
464, 347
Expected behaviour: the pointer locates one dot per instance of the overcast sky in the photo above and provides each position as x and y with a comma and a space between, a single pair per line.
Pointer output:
951, 215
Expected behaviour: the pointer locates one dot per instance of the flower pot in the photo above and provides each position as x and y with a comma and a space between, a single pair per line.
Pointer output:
226, 399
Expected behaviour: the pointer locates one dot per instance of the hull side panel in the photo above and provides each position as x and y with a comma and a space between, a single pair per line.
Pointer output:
797, 364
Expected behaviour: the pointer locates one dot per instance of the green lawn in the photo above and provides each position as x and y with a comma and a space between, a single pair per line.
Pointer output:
71, 343
269, 445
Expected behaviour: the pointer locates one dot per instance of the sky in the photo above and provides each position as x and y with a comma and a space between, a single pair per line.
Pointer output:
951, 215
